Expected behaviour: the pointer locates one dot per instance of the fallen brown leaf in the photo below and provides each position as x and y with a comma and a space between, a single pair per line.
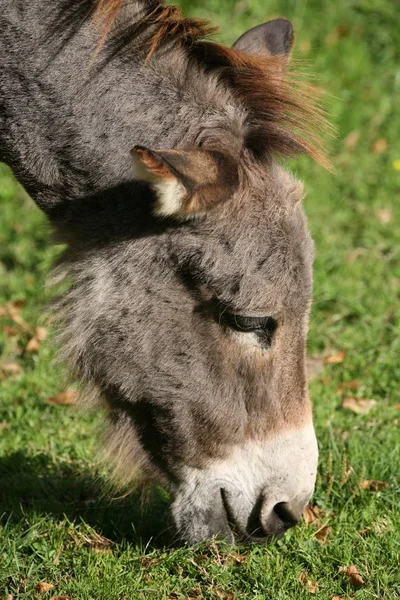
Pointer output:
351, 140
349, 385
65, 398
335, 358
309, 515
342, 597
372, 485
353, 575
18, 303
10, 331
14, 310
10, 597
396, 407
384, 216
311, 585
33, 345
379, 146
41, 333
4, 425
238, 558
62, 598
43, 586
359, 405
323, 534
12, 368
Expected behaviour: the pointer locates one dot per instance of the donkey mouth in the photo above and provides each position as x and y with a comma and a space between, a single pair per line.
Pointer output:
255, 530
233, 525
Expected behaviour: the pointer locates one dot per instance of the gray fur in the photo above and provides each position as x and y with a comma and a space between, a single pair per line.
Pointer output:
142, 319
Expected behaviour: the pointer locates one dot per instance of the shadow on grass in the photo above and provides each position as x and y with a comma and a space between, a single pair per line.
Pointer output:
35, 485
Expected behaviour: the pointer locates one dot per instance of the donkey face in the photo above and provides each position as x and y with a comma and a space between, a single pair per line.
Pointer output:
229, 422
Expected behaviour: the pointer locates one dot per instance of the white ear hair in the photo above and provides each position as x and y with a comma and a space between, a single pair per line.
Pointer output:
170, 197
169, 191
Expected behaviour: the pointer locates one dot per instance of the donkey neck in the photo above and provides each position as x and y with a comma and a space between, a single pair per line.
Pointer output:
68, 118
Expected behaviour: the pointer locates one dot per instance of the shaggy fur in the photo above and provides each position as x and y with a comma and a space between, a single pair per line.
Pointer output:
143, 321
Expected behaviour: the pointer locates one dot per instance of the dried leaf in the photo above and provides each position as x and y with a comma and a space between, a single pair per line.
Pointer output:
14, 310
379, 146
335, 358
12, 368
238, 558
41, 333
351, 140
384, 215
355, 578
4, 425
359, 405
311, 585
323, 534
396, 407
10, 597
42, 586
33, 345
62, 598
372, 485
64, 398
10, 331
18, 303
309, 515
349, 385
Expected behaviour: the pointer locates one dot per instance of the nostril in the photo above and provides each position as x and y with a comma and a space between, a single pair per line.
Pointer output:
284, 513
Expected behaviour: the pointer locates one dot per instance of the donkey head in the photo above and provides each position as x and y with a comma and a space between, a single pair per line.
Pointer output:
201, 328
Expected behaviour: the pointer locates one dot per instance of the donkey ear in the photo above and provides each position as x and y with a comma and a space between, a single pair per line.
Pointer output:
271, 39
186, 182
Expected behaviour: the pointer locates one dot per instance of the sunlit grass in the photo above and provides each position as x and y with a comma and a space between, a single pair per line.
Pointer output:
57, 526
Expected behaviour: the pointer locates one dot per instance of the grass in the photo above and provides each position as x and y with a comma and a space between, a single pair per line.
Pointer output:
57, 526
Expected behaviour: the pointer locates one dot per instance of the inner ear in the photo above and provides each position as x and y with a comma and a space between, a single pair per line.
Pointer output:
274, 38
188, 181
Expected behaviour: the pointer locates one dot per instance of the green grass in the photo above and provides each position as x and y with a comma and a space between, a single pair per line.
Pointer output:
57, 525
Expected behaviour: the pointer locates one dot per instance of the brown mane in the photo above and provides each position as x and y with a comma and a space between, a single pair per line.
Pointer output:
283, 115
167, 19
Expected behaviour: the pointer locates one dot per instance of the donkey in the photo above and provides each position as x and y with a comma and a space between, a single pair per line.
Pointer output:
153, 151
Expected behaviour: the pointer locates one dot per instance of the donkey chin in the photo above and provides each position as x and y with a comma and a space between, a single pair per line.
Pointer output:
255, 494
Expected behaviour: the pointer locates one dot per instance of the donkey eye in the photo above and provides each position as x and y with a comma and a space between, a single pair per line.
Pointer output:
263, 326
